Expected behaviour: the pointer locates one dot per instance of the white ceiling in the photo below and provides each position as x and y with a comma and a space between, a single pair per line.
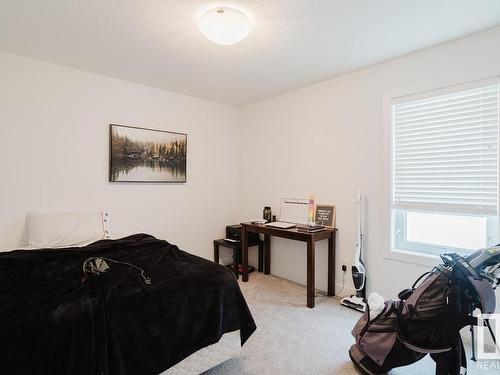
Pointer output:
295, 42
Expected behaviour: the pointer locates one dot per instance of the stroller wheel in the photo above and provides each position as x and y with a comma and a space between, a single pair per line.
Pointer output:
363, 363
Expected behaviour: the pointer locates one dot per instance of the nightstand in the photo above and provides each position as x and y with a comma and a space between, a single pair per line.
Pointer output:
236, 248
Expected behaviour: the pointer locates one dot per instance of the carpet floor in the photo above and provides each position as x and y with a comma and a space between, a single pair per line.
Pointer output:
293, 339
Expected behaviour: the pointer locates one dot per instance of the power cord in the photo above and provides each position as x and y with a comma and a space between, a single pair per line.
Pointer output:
337, 296
343, 281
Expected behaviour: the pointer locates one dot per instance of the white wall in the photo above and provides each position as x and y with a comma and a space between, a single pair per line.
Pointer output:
326, 140
54, 154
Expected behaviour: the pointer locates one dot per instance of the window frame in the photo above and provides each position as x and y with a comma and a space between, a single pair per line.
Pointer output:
388, 213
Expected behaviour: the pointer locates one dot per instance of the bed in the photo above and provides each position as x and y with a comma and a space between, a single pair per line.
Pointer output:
57, 319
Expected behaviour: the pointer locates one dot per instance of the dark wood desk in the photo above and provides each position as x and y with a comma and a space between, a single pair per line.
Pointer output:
292, 234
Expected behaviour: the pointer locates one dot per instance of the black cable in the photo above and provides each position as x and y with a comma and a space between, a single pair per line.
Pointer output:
320, 293
90, 266
343, 283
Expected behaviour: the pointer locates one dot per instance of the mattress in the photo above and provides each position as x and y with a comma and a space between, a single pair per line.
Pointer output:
208, 357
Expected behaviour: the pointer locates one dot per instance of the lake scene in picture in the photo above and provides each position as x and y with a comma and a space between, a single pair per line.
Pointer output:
144, 155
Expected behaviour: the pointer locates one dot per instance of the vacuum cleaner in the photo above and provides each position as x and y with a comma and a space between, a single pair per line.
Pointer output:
358, 301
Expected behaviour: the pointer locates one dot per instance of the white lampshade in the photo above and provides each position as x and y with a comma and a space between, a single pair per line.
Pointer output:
225, 25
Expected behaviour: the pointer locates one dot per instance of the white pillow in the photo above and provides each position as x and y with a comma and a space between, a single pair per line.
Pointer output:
66, 229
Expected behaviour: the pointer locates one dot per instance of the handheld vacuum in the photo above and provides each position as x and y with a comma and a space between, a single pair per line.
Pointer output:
358, 300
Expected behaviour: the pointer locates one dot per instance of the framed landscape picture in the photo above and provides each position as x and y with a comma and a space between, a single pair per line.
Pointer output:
146, 155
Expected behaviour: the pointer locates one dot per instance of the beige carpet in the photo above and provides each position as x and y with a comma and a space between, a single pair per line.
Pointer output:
293, 339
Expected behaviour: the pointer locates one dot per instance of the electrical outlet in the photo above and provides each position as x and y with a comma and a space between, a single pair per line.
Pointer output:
344, 268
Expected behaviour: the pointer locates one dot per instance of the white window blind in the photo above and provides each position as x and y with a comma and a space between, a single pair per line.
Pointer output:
445, 152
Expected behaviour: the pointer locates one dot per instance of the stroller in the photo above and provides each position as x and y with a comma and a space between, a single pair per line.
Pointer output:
428, 318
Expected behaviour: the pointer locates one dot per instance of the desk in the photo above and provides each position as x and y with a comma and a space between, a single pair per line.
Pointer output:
292, 234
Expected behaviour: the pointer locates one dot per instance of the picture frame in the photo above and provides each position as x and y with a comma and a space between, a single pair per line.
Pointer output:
146, 155
325, 214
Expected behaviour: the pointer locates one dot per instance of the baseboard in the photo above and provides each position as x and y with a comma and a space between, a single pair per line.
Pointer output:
339, 292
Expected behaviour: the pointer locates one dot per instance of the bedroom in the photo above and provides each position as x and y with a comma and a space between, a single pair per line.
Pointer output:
299, 108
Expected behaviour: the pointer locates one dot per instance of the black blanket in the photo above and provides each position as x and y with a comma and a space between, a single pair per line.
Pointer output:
52, 322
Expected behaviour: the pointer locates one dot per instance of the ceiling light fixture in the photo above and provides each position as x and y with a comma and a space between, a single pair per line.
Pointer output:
225, 25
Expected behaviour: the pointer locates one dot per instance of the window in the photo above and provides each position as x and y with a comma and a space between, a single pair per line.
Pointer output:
445, 171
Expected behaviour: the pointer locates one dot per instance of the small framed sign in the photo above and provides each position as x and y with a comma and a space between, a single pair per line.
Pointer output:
324, 214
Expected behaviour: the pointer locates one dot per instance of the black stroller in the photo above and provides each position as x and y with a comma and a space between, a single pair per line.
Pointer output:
428, 318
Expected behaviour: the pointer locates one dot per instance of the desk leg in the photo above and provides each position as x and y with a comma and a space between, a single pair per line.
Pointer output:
244, 253
267, 254
216, 252
310, 273
261, 255
236, 252
331, 264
